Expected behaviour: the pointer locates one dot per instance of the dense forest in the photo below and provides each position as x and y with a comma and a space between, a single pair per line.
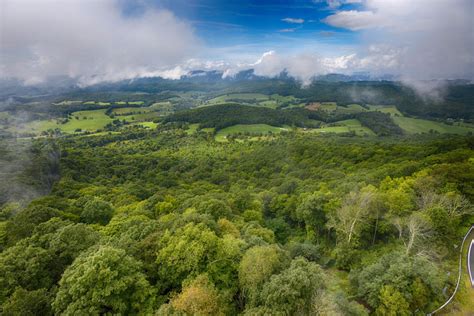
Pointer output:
224, 115
170, 223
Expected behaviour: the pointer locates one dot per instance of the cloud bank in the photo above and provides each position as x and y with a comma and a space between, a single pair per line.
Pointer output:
94, 41
434, 39
90, 40
416, 40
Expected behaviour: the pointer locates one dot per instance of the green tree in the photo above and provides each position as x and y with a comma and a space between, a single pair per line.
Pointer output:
417, 279
292, 291
24, 266
199, 297
311, 211
68, 242
23, 302
104, 280
256, 267
392, 303
23, 224
97, 211
186, 253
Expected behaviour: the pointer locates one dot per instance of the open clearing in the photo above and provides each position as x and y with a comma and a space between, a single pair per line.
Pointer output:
390, 109
243, 97
84, 120
250, 129
346, 126
350, 109
417, 126
127, 111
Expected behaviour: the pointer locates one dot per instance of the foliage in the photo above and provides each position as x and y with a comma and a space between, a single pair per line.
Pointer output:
291, 292
104, 280
222, 116
168, 221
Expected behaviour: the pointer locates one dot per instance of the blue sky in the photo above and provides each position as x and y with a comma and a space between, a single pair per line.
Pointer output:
256, 23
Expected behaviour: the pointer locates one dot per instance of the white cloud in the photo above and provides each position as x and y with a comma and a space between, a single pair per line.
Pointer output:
334, 4
91, 40
290, 30
423, 39
354, 20
293, 20
303, 66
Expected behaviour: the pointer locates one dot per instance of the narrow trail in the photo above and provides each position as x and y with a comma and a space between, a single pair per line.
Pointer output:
469, 237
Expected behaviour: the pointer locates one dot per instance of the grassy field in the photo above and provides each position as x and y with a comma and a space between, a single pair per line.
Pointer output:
390, 109
257, 99
68, 102
148, 116
84, 120
272, 104
163, 108
98, 103
417, 126
192, 129
350, 109
328, 106
123, 111
240, 96
251, 129
346, 126
150, 125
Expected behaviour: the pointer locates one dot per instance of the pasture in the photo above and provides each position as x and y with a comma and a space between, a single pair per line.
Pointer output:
251, 129
390, 109
345, 126
242, 97
419, 126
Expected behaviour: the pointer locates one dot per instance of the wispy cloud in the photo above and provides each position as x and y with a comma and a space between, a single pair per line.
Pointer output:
289, 30
433, 38
335, 4
293, 20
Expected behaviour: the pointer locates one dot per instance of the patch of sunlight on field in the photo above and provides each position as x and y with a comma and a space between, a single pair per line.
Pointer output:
250, 129
418, 126
390, 109
126, 111
245, 97
150, 125
83, 120
346, 126
350, 109
192, 128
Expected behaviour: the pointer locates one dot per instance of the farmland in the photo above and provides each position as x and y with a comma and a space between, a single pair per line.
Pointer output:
417, 126
248, 130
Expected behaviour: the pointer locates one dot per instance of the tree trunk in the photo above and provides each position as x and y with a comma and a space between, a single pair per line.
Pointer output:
375, 230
